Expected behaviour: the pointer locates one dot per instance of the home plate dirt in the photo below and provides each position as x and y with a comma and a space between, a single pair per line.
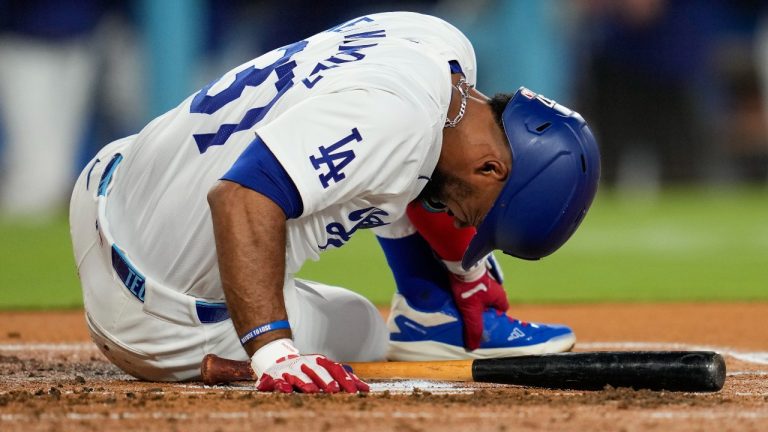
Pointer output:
53, 378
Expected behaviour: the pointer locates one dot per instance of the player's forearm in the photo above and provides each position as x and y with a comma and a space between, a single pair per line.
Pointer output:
250, 243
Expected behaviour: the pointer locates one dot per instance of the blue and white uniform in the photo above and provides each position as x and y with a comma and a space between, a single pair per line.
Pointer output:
342, 130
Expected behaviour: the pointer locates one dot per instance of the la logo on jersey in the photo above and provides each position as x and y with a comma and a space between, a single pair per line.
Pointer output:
370, 217
335, 159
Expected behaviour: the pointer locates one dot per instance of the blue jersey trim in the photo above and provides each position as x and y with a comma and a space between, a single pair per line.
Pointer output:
109, 171
258, 169
131, 278
209, 313
419, 276
455, 67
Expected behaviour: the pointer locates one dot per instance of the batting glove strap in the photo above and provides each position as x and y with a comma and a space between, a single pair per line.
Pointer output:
270, 353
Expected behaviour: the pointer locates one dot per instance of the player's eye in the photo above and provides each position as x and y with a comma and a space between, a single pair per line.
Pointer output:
435, 206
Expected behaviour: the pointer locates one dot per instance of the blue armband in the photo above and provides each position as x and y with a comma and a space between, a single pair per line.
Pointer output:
259, 170
265, 328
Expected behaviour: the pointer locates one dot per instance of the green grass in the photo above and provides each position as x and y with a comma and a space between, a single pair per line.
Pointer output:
684, 245
37, 268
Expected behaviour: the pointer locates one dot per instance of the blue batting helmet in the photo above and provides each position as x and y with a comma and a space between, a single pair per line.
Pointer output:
555, 169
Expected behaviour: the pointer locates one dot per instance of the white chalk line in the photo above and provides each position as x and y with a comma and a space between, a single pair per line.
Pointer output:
395, 387
409, 386
747, 373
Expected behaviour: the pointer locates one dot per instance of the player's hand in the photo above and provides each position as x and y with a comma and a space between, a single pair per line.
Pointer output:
304, 373
309, 374
473, 295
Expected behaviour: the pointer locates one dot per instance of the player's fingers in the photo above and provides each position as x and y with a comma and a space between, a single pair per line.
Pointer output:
498, 295
266, 384
473, 327
500, 301
338, 373
360, 384
301, 382
321, 378
282, 386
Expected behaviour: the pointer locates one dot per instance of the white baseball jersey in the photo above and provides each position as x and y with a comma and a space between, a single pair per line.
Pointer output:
354, 115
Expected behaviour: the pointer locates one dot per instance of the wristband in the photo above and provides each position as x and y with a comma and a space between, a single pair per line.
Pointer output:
264, 328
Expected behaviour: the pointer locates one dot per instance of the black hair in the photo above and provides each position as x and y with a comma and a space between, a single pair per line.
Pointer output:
498, 102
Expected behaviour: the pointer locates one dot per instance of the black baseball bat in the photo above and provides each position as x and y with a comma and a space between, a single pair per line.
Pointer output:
692, 371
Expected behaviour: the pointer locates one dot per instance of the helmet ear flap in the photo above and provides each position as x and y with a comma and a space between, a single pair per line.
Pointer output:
554, 176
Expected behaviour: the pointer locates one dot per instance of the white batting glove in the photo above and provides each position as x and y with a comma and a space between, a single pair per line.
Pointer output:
281, 368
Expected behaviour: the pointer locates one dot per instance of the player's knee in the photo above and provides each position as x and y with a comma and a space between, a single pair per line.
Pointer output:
354, 329
365, 328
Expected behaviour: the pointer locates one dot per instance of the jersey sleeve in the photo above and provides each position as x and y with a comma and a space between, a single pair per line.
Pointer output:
258, 169
341, 146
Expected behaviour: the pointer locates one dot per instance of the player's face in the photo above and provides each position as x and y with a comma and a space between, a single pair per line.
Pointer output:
473, 166
469, 201
456, 196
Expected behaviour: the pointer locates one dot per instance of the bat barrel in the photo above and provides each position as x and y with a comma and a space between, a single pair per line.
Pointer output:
694, 371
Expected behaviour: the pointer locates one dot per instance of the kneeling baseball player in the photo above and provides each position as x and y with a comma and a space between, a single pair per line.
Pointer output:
188, 235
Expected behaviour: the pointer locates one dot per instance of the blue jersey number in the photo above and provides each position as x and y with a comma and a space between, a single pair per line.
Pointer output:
203, 103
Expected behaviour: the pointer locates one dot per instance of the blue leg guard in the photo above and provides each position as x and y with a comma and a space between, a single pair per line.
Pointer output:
419, 276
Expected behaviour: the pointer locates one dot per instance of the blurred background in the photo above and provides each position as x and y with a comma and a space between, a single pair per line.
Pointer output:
675, 90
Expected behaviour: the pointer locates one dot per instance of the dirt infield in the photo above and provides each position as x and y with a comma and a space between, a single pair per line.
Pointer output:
53, 378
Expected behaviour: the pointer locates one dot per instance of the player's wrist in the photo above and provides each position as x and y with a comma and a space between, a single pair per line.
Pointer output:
258, 342
473, 274
266, 356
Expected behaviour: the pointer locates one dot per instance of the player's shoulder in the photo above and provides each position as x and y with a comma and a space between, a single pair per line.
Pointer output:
404, 89
431, 34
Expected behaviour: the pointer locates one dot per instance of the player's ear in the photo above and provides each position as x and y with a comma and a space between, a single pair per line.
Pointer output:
493, 169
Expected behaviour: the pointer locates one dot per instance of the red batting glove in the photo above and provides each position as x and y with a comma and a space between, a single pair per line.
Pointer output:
303, 373
472, 298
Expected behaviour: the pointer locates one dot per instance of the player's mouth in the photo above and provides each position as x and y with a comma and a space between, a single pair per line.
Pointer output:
457, 221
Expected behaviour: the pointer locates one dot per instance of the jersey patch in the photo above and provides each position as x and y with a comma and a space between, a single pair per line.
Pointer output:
366, 218
335, 159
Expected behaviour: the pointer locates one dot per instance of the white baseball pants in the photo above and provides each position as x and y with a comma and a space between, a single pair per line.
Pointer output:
161, 339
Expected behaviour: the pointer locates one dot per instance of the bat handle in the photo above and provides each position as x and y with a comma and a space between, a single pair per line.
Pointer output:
217, 370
